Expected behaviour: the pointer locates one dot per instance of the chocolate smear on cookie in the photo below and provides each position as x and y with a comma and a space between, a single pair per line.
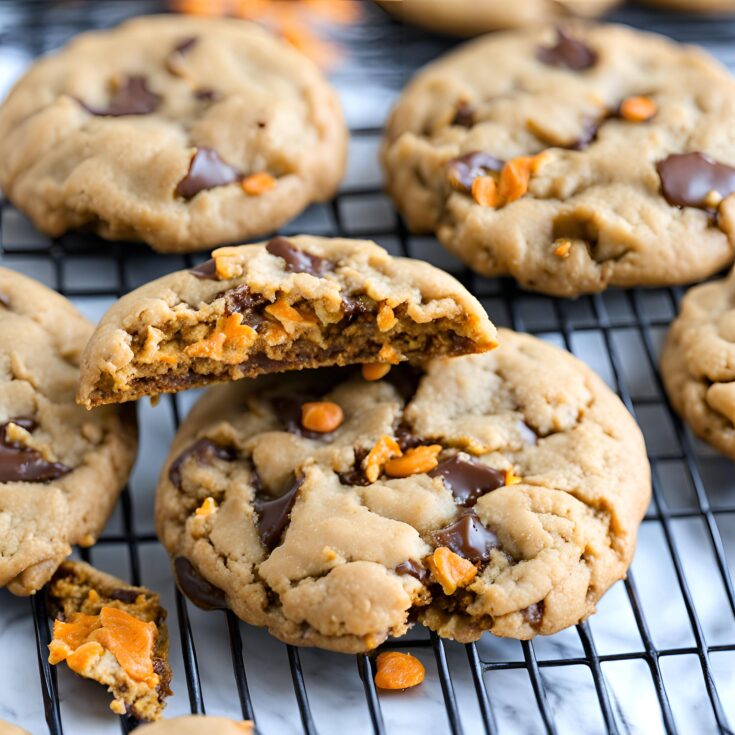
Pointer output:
534, 614
202, 451
273, 515
206, 171
207, 270
695, 180
19, 463
468, 538
298, 261
463, 170
201, 592
132, 97
413, 569
468, 479
567, 52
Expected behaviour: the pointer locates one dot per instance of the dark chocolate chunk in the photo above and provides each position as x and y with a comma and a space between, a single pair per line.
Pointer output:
298, 261
19, 463
354, 307
356, 476
463, 170
127, 596
4, 300
201, 592
206, 171
133, 97
202, 451
468, 479
589, 133
240, 300
206, 270
468, 538
406, 438
534, 614
413, 569
405, 379
567, 52
687, 179
464, 115
273, 516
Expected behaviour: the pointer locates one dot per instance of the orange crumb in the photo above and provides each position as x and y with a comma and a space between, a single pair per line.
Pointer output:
389, 354
207, 507
414, 461
384, 449
451, 570
386, 318
228, 342
259, 183
637, 109
563, 248
511, 478
397, 670
375, 370
322, 416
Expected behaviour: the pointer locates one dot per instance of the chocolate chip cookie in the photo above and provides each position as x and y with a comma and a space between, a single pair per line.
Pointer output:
696, 6
473, 17
286, 304
698, 363
6, 728
196, 725
498, 492
591, 156
181, 132
61, 468
114, 633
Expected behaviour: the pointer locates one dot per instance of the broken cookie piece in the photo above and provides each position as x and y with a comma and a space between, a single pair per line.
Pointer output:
114, 633
287, 304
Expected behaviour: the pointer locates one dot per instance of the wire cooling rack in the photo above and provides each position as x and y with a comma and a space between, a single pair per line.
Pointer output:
660, 654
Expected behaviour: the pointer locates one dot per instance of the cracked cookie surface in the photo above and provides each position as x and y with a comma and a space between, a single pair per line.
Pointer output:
61, 468
181, 132
471, 18
591, 156
698, 362
288, 304
114, 633
498, 492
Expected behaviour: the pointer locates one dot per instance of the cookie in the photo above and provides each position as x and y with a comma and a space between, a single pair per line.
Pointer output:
181, 132
498, 492
471, 18
592, 156
61, 468
283, 305
695, 6
698, 363
7, 728
114, 633
196, 725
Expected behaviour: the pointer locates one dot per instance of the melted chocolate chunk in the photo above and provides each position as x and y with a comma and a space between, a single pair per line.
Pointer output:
589, 134
132, 98
354, 308
201, 592
405, 379
127, 596
406, 438
206, 171
4, 300
468, 538
567, 52
356, 476
202, 451
534, 614
298, 261
206, 271
239, 300
19, 463
468, 479
413, 569
273, 516
687, 179
464, 115
465, 169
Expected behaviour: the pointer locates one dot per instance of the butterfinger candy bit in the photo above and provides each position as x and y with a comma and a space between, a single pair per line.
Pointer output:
451, 570
384, 449
397, 670
485, 191
414, 461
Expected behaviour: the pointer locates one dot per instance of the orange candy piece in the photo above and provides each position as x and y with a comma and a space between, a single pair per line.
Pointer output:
258, 183
398, 670
384, 449
414, 461
451, 570
512, 184
321, 416
229, 334
375, 370
485, 191
637, 109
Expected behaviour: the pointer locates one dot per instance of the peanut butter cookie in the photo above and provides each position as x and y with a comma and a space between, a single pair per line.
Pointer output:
196, 725
499, 492
283, 305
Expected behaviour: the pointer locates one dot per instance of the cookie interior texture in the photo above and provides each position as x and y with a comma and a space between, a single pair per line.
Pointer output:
473, 17
522, 477
592, 156
289, 304
131, 656
698, 362
196, 725
61, 468
151, 131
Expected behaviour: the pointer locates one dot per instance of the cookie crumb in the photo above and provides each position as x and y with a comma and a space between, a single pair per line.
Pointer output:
563, 248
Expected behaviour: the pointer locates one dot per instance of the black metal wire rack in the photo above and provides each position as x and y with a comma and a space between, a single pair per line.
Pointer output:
607, 319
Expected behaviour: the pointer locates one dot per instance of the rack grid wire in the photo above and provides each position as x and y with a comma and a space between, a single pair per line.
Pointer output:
37, 26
